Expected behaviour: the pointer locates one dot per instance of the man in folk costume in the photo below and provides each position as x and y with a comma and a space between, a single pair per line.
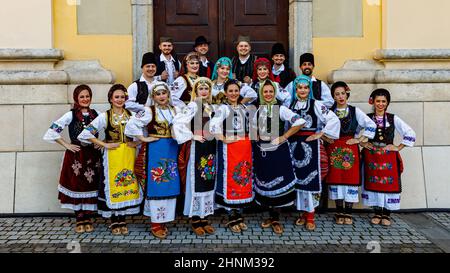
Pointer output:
281, 71
382, 162
156, 165
343, 178
320, 89
138, 94
201, 46
168, 66
308, 150
243, 63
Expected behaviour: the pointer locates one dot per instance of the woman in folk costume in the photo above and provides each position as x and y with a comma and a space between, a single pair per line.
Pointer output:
156, 166
78, 183
191, 128
343, 177
274, 173
120, 193
381, 159
262, 71
307, 148
183, 85
234, 186
221, 74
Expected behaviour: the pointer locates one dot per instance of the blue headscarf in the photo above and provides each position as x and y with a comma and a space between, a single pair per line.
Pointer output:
302, 79
222, 61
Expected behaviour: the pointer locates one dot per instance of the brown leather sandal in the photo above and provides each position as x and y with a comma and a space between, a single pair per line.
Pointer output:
234, 226
339, 217
123, 228
207, 227
348, 219
277, 227
198, 230
115, 229
243, 226
79, 227
301, 220
88, 226
386, 220
266, 223
376, 219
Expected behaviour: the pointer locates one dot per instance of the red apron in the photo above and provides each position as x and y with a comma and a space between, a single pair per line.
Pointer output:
382, 170
344, 163
239, 171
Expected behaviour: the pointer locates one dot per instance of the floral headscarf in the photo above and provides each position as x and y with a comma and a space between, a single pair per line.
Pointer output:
222, 61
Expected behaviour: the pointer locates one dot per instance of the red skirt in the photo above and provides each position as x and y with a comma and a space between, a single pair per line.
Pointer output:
80, 174
382, 170
344, 163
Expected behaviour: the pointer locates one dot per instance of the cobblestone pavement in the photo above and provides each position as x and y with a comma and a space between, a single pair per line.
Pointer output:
442, 218
56, 235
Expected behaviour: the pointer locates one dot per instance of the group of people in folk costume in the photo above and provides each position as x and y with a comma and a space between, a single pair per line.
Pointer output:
227, 135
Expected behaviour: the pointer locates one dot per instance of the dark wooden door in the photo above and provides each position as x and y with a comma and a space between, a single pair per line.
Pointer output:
222, 21
184, 20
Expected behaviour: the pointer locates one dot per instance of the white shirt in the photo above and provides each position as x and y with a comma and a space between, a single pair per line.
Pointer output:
278, 72
170, 68
131, 103
326, 98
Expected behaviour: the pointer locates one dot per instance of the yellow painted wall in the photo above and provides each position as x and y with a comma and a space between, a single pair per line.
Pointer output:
113, 51
331, 53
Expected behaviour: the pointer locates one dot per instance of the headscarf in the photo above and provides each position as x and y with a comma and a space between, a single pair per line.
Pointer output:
158, 86
76, 93
265, 62
199, 82
261, 97
222, 61
77, 107
302, 79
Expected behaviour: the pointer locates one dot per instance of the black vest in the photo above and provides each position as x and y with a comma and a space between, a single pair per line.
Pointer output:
317, 89
161, 66
206, 71
113, 133
142, 93
307, 114
383, 134
242, 70
349, 124
267, 122
285, 77
239, 121
77, 126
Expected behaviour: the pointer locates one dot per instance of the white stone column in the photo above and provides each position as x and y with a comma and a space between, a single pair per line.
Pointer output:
142, 13
300, 30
